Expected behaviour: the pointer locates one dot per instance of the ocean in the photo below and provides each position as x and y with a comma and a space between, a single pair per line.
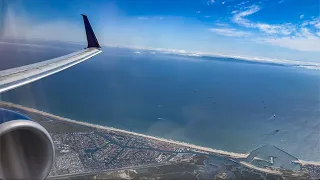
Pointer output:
224, 104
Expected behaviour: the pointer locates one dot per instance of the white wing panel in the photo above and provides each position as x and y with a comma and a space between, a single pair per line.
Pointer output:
19, 76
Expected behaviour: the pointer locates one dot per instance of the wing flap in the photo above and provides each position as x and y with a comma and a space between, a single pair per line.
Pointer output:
26, 74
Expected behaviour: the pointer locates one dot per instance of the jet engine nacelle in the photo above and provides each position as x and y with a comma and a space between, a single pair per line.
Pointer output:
26, 148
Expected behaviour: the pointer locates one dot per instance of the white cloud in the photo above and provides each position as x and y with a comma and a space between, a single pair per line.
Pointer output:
301, 37
143, 18
240, 18
304, 40
301, 16
296, 43
223, 2
198, 12
209, 2
314, 22
243, 3
284, 29
234, 11
261, 59
229, 32
305, 32
221, 24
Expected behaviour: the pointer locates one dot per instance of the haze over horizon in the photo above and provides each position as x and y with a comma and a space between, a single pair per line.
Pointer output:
279, 29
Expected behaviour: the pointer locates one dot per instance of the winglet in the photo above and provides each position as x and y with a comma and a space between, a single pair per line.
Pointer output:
91, 37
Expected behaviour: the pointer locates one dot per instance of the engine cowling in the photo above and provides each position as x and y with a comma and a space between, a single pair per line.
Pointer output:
26, 148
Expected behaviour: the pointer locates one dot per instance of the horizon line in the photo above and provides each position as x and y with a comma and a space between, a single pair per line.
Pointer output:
280, 61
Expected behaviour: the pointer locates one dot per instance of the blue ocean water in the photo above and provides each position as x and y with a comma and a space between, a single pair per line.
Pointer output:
222, 104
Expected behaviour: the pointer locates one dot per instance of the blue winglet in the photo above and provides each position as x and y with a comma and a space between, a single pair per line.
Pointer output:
91, 37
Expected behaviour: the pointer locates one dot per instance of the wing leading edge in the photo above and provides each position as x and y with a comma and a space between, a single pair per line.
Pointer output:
15, 77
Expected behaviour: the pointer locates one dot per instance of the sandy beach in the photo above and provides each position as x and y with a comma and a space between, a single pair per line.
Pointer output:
199, 148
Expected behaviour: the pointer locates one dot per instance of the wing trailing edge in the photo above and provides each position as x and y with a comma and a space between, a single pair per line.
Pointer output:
19, 76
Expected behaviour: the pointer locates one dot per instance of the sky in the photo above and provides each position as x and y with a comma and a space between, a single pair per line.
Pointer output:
280, 29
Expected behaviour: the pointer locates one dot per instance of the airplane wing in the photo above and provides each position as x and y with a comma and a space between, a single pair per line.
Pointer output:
15, 77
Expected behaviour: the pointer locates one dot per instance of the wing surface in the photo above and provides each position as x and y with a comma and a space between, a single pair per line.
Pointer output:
15, 77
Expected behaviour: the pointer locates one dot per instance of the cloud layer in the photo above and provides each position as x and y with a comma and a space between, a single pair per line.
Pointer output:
231, 32
302, 37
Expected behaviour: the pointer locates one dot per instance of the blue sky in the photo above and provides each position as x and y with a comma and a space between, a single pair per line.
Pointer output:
282, 29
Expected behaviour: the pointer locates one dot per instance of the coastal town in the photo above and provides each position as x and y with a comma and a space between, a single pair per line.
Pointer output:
83, 149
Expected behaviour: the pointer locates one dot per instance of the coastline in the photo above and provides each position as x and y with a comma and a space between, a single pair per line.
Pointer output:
200, 148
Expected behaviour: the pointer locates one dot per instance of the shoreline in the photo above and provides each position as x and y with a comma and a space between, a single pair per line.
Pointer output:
200, 148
